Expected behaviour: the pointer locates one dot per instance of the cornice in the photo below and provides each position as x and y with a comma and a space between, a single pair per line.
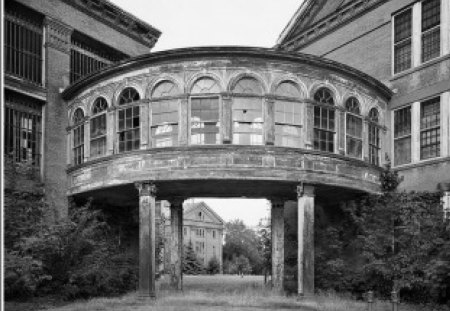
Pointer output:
326, 25
118, 19
224, 51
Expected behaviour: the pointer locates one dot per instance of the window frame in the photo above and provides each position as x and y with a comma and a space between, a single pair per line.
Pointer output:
94, 116
78, 134
430, 128
375, 128
410, 135
236, 96
317, 130
124, 108
219, 112
356, 116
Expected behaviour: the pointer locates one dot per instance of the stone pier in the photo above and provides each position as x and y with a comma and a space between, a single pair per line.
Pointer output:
277, 219
176, 244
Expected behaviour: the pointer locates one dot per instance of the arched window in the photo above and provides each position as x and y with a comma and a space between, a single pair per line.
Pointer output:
98, 127
287, 115
324, 125
78, 136
353, 128
164, 114
374, 137
247, 112
129, 121
205, 125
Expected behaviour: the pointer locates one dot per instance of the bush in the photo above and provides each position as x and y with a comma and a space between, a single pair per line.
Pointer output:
213, 266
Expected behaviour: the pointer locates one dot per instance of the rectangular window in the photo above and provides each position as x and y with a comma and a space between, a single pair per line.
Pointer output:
287, 124
354, 136
374, 144
402, 40
205, 124
430, 130
165, 123
324, 129
23, 43
88, 55
431, 30
214, 234
78, 144
402, 136
23, 129
247, 121
98, 135
129, 134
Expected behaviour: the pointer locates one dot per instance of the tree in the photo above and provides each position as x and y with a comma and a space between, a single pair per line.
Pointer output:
191, 263
240, 240
213, 266
265, 247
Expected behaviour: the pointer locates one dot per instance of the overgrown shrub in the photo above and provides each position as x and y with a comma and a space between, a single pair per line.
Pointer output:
213, 266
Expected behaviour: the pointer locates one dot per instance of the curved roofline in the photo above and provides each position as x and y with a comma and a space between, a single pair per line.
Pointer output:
217, 51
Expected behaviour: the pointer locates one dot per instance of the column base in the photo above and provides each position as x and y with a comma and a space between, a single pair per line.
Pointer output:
146, 296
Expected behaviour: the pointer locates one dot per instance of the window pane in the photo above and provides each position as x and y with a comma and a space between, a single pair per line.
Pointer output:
431, 44
402, 151
402, 25
248, 86
430, 128
402, 122
431, 14
205, 85
205, 121
288, 89
402, 56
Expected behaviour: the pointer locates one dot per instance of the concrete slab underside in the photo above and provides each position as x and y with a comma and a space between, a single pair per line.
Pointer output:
127, 195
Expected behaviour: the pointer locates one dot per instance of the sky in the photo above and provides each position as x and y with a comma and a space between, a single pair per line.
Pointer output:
187, 23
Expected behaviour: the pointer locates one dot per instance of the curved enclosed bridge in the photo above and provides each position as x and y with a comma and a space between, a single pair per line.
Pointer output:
226, 122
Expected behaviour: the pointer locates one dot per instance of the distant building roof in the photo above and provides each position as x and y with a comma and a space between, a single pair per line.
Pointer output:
115, 17
314, 18
189, 207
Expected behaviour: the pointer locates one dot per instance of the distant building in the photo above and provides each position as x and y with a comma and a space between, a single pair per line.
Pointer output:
203, 229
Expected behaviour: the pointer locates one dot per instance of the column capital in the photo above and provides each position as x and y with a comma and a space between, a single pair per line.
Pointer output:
176, 202
305, 190
146, 188
277, 203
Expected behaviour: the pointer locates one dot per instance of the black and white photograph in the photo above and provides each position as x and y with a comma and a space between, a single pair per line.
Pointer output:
225, 155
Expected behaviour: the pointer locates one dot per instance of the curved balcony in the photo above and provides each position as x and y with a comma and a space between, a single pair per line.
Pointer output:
226, 121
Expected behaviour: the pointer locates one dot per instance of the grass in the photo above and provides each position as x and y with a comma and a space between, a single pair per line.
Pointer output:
216, 293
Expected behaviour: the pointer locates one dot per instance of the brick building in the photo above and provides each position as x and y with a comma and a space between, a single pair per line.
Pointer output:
47, 46
406, 45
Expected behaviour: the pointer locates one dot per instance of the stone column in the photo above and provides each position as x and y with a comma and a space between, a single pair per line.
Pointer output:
277, 217
176, 244
144, 124
308, 130
227, 119
147, 249
365, 139
340, 130
87, 141
305, 261
57, 77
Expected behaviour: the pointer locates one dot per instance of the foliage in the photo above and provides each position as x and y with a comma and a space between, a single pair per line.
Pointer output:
394, 240
389, 178
240, 240
238, 265
213, 266
191, 263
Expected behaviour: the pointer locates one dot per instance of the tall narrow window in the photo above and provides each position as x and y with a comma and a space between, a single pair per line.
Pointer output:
205, 126
288, 116
23, 128
374, 137
430, 122
324, 125
402, 136
247, 112
353, 128
98, 127
402, 40
129, 119
164, 108
23, 42
431, 29
78, 137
